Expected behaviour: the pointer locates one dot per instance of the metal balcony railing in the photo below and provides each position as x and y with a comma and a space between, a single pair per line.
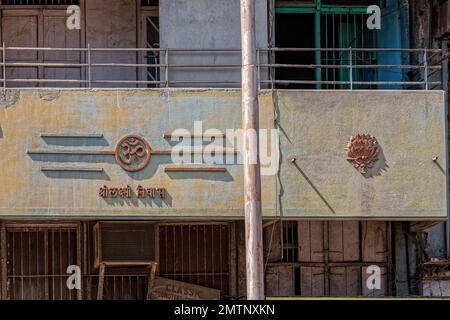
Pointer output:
288, 68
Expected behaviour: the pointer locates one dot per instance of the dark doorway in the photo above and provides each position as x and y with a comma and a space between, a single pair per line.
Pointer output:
294, 31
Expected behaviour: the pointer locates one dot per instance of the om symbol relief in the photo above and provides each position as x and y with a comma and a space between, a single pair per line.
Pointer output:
133, 153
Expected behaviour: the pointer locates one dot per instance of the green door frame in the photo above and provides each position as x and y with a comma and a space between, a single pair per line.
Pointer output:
318, 9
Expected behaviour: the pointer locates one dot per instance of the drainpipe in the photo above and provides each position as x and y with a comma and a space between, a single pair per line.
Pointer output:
252, 174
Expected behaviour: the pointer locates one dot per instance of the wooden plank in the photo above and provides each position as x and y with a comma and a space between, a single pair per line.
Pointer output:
20, 28
166, 289
151, 280
344, 241
389, 273
304, 241
79, 258
345, 281
46, 267
233, 261
326, 255
101, 281
241, 270
3, 264
337, 277
310, 240
374, 241
312, 281
280, 281
419, 226
97, 245
273, 242
353, 281
401, 260
351, 246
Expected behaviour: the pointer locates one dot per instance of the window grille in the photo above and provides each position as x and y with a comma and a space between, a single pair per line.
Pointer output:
195, 253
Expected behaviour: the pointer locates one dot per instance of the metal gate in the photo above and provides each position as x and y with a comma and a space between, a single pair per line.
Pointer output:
196, 253
36, 262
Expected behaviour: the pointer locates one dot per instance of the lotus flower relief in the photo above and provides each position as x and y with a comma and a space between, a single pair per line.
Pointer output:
362, 151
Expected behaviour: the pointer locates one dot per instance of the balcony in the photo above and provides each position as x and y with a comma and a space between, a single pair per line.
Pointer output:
64, 143
279, 68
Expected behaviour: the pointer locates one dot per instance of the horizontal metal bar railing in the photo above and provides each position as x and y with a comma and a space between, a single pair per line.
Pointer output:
172, 64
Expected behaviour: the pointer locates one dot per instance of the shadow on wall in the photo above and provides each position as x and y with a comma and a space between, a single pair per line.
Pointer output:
72, 158
379, 166
101, 175
76, 142
135, 201
213, 176
314, 187
436, 162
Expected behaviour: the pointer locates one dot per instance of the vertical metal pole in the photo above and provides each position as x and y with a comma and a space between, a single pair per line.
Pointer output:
350, 60
272, 69
252, 175
425, 64
4, 65
167, 67
317, 44
89, 67
258, 63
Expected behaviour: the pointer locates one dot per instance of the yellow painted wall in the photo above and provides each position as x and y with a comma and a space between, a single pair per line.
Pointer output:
314, 128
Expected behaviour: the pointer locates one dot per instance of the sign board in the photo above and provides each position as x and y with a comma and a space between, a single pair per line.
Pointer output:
166, 289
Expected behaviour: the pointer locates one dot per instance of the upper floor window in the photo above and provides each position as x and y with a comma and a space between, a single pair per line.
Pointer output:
149, 3
39, 2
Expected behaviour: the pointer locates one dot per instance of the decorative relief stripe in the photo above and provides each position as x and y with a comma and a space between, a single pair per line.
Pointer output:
170, 136
70, 152
194, 169
69, 135
71, 169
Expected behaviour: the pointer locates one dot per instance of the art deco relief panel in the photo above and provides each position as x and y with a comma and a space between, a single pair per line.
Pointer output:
108, 153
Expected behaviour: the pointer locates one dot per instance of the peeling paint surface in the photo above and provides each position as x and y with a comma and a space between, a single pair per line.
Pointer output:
315, 126
405, 182
9, 98
149, 113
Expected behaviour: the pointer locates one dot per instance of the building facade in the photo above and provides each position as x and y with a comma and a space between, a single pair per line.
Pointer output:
121, 148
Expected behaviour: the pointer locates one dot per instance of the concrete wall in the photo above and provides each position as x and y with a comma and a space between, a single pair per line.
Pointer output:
314, 127
115, 114
207, 24
410, 129
425, 18
112, 24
